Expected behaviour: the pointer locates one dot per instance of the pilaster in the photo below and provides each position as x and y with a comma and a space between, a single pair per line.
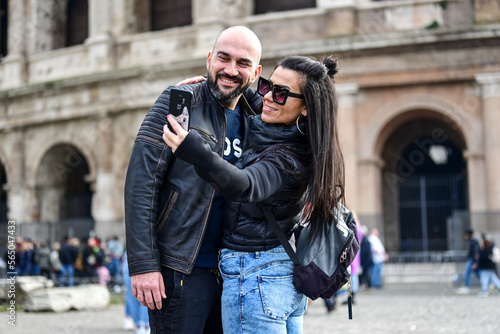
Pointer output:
346, 126
489, 84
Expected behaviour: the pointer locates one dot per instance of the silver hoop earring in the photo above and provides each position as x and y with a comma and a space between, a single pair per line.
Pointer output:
298, 127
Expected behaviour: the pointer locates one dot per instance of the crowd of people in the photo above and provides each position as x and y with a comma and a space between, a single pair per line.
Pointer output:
70, 262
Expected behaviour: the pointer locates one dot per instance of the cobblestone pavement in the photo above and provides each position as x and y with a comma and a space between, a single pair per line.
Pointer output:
397, 308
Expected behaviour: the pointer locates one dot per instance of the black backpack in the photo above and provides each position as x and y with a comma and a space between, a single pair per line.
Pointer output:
321, 263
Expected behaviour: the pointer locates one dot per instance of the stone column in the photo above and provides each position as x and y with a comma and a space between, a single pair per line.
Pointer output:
211, 17
122, 18
103, 210
490, 92
477, 187
476, 174
18, 209
100, 42
104, 184
19, 34
223, 12
346, 123
46, 23
370, 191
489, 84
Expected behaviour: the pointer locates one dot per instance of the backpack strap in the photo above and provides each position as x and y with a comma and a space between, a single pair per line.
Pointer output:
279, 233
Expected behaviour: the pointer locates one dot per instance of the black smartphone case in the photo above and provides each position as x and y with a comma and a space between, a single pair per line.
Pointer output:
180, 106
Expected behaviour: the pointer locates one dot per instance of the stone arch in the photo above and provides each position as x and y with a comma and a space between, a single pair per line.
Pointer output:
387, 118
43, 147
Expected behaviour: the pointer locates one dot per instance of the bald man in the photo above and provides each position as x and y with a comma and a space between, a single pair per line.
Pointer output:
173, 217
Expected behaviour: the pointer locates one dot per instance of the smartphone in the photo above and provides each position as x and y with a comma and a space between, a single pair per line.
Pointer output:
180, 106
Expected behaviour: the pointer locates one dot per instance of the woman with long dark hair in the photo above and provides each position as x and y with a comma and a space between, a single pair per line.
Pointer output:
293, 157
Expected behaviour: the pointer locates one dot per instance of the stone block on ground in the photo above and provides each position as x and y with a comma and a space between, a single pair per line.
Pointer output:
23, 285
61, 299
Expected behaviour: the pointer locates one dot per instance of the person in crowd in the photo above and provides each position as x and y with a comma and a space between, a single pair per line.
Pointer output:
282, 167
68, 255
379, 256
101, 264
472, 255
35, 267
43, 259
25, 257
93, 262
487, 268
115, 249
172, 216
55, 263
79, 264
366, 258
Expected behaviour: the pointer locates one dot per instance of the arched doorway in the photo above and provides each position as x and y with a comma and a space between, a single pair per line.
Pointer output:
424, 182
64, 196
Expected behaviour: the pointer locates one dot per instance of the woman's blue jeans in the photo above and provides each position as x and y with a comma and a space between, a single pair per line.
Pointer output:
258, 295
488, 276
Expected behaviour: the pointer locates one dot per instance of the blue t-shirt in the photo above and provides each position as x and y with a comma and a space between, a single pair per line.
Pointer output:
207, 257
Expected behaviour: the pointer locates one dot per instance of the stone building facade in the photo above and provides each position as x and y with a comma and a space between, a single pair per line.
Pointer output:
419, 92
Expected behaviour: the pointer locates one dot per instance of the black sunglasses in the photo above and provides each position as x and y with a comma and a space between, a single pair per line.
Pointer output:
280, 93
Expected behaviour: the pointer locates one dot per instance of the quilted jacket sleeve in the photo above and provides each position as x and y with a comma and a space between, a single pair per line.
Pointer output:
251, 184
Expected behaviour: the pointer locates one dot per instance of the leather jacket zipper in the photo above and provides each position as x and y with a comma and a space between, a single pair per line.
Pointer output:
166, 210
205, 134
211, 137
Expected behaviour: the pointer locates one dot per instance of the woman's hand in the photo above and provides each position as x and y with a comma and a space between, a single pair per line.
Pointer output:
173, 140
191, 80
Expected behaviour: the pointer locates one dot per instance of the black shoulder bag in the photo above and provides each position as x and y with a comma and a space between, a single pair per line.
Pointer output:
321, 263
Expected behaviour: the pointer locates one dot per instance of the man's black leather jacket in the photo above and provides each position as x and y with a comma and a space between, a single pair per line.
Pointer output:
166, 203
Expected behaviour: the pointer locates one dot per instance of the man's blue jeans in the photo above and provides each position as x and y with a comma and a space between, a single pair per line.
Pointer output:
67, 275
468, 271
258, 295
376, 275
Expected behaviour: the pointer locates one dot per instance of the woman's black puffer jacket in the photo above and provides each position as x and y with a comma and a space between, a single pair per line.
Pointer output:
272, 169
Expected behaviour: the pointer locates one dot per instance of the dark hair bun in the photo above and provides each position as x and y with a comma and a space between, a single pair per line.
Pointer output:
331, 66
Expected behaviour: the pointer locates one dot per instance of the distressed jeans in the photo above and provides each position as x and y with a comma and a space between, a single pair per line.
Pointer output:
258, 295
